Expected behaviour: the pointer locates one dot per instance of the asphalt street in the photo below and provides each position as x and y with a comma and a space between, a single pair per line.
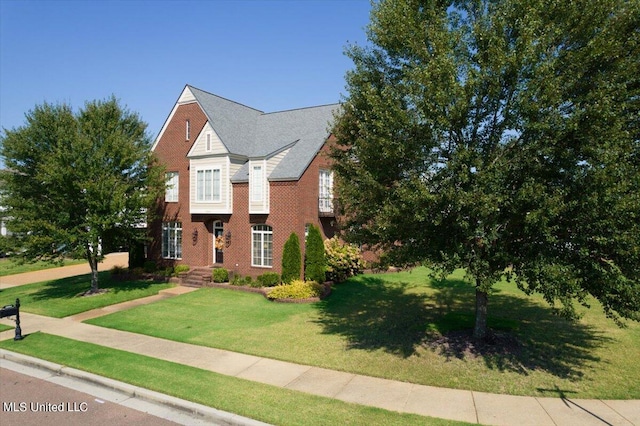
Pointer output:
34, 397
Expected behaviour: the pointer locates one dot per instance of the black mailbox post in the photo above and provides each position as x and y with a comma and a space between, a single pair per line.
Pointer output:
10, 311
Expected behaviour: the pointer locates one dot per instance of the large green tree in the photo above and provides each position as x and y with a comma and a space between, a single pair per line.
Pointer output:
76, 182
502, 136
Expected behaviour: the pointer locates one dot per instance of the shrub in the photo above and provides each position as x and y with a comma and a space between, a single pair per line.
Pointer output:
236, 280
291, 259
118, 270
343, 260
240, 280
268, 279
315, 263
150, 266
168, 271
179, 269
296, 290
220, 275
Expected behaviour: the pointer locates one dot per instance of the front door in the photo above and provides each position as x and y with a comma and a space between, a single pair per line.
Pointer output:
218, 241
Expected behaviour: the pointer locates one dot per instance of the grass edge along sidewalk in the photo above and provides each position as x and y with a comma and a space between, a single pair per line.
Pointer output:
255, 400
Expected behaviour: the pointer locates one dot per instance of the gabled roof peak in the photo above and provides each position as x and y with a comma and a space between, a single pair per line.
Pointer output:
192, 88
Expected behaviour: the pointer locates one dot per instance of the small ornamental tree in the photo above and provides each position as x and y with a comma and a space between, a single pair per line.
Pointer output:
315, 263
291, 259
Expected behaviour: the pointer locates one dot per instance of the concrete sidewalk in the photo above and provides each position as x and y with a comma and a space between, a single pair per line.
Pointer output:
468, 406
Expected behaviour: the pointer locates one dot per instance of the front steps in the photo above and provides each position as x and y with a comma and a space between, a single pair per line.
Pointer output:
198, 277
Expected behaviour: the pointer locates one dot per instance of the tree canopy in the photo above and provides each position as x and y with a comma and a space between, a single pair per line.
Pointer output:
77, 182
502, 136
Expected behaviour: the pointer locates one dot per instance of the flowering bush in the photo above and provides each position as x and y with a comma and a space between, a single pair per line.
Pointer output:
343, 260
296, 290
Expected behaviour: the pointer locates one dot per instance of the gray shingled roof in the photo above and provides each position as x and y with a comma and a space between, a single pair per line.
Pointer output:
249, 132
234, 123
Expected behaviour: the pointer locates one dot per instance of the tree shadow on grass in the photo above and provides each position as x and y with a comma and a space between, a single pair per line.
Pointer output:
68, 288
373, 314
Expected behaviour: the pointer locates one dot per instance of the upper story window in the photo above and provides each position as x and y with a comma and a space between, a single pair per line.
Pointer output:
171, 192
208, 185
187, 129
257, 184
326, 191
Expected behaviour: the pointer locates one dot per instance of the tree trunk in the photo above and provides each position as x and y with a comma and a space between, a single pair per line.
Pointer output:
93, 264
480, 328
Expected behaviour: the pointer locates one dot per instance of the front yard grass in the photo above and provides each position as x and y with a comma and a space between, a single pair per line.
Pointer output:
9, 266
255, 400
407, 327
63, 297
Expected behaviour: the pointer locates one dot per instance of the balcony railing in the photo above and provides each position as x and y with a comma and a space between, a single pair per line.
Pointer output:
325, 207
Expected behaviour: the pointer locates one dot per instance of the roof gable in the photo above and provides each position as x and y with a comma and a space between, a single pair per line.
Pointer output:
207, 143
233, 122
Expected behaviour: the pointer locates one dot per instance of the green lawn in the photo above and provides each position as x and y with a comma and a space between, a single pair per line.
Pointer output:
9, 266
61, 298
255, 400
403, 326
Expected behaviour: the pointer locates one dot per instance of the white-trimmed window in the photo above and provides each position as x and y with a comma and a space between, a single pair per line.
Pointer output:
326, 191
257, 184
208, 185
187, 130
172, 240
262, 246
171, 192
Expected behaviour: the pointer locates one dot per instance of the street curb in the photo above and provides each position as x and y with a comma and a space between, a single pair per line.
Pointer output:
202, 411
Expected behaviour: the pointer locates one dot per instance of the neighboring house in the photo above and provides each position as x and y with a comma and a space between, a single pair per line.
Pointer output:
3, 220
3, 225
239, 182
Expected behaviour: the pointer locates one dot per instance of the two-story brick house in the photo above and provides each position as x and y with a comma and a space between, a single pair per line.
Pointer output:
239, 182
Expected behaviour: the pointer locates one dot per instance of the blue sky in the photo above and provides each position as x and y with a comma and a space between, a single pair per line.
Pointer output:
268, 54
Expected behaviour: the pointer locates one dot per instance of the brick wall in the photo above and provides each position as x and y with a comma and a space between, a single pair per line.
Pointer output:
172, 150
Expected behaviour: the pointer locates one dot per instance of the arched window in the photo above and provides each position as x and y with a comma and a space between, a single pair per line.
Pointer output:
262, 246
